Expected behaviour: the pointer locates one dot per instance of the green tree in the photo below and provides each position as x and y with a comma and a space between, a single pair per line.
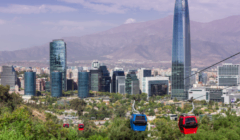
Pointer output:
79, 105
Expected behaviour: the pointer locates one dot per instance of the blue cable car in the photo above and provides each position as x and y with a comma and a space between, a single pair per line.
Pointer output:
138, 122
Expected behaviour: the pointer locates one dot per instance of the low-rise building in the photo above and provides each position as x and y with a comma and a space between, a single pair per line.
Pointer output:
207, 94
156, 86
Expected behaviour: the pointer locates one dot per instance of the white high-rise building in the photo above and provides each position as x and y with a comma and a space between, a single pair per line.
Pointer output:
228, 75
143, 73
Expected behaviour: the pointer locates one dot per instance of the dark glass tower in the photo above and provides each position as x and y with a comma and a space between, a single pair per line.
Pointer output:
105, 79
30, 83
117, 75
56, 84
100, 79
58, 60
83, 84
181, 51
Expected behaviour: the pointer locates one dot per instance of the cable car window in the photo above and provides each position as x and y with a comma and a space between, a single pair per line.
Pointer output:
189, 120
140, 118
81, 126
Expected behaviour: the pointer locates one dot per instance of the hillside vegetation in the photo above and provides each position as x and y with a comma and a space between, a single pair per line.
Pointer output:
19, 122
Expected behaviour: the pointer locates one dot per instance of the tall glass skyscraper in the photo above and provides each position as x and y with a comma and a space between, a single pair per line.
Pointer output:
30, 83
56, 84
83, 84
58, 60
181, 51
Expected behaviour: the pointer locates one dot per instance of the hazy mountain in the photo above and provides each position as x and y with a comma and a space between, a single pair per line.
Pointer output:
151, 40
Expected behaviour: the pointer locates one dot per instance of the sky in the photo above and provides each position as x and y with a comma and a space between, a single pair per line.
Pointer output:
29, 23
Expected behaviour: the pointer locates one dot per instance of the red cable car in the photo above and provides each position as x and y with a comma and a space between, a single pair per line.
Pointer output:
188, 124
66, 125
81, 127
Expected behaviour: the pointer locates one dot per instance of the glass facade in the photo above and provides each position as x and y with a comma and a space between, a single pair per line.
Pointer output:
147, 73
100, 79
158, 88
215, 94
105, 79
56, 84
83, 84
8, 77
58, 60
115, 81
228, 75
131, 83
120, 84
30, 83
95, 80
135, 87
70, 85
181, 51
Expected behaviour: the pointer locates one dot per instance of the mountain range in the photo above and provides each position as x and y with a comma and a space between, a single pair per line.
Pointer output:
151, 40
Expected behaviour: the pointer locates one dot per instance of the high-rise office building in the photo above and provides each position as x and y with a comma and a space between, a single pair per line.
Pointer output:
118, 82
181, 51
30, 83
58, 60
95, 77
105, 79
100, 79
8, 77
83, 84
56, 84
70, 85
228, 75
131, 83
142, 74
203, 77
156, 86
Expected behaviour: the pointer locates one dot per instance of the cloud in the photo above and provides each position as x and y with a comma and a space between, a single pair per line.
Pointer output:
130, 20
2, 22
200, 10
29, 9
122, 6
67, 25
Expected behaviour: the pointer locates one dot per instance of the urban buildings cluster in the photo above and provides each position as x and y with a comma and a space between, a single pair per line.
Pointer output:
97, 78
181, 81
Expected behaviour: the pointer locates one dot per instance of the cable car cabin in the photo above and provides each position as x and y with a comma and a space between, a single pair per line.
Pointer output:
66, 125
81, 127
188, 124
138, 122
